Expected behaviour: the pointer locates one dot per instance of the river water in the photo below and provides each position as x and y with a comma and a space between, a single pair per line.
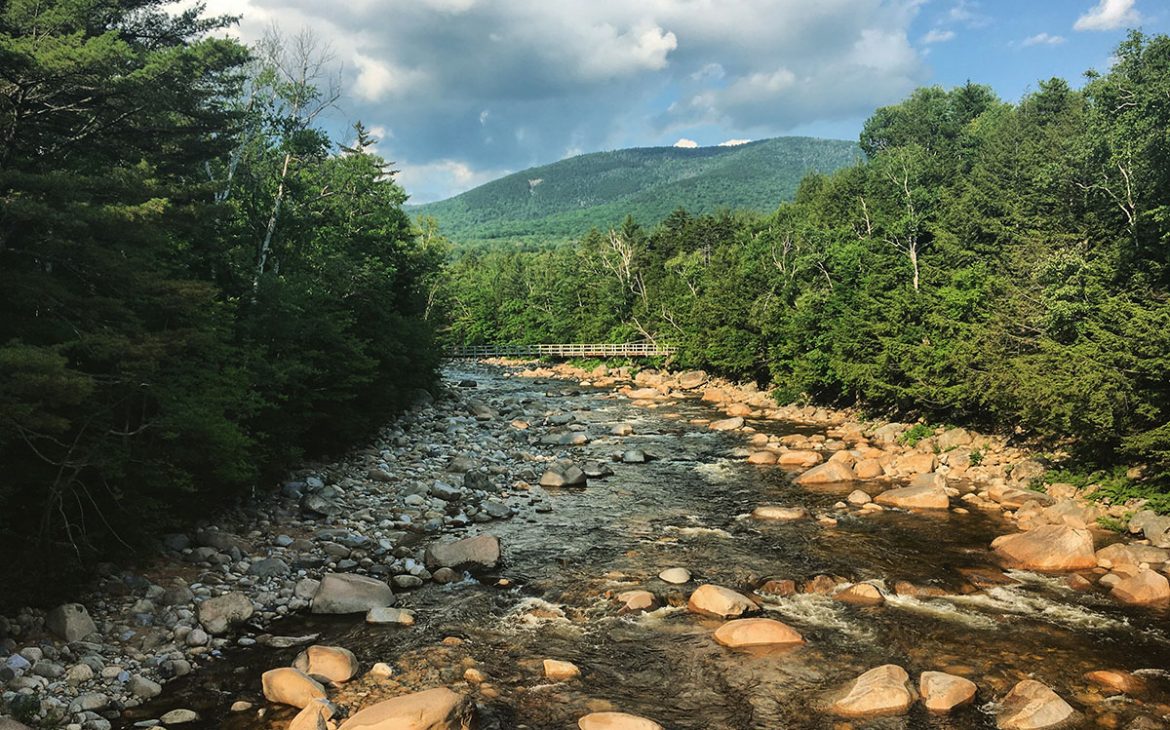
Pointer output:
686, 508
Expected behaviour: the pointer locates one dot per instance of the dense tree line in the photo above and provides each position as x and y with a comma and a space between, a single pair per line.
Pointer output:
989, 263
197, 286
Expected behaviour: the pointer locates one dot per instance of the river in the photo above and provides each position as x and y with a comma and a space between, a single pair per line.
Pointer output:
552, 599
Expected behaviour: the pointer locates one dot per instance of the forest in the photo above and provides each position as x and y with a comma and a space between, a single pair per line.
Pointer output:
996, 264
198, 287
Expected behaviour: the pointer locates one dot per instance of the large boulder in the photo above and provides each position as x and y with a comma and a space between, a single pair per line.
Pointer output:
883, 690
7, 723
919, 497
1146, 588
70, 622
481, 551
1047, 548
756, 632
288, 686
1032, 705
222, 613
942, 692
831, 472
691, 379
434, 709
720, 602
346, 593
803, 459
727, 424
330, 662
616, 721
314, 716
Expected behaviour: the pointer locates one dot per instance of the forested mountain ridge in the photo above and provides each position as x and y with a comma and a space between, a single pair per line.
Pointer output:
997, 264
563, 200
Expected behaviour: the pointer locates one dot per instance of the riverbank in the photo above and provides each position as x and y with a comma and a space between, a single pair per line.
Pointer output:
599, 575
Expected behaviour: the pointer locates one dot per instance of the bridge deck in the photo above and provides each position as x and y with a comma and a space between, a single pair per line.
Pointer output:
635, 349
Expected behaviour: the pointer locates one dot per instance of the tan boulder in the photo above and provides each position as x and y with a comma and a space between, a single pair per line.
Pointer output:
868, 469
637, 601
916, 463
884, 690
434, 709
858, 498
763, 457
831, 472
1032, 705
942, 692
691, 379
720, 602
331, 662
675, 576
803, 459
558, 671
288, 686
779, 513
920, 497
314, 716
738, 409
1118, 680
1146, 588
756, 632
1047, 548
616, 721
861, 594
727, 424
643, 394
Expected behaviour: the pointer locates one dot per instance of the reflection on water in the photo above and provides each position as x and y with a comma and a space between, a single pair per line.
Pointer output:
680, 510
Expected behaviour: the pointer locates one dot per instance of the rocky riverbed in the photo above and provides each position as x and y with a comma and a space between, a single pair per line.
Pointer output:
550, 547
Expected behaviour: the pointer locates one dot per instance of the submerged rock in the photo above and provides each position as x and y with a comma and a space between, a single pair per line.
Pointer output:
942, 692
481, 551
616, 721
559, 671
779, 513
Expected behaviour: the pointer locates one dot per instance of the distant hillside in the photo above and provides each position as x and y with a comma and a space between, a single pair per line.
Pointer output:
565, 199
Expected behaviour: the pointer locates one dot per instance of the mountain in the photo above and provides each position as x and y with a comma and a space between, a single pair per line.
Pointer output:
564, 200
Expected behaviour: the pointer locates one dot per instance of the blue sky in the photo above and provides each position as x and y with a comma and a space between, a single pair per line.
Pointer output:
463, 91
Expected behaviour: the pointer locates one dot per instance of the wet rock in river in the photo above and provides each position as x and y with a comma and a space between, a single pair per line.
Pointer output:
70, 622
868, 469
383, 616
7, 723
884, 690
803, 459
334, 663
560, 671
720, 602
1048, 548
288, 686
830, 472
636, 601
916, 497
861, 594
756, 632
675, 576
727, 424
942, 692
1032, 705
482, 551
314, 716
1146, 588
763, 458
346, 593
179, 717
220, 614
616, 721
779, 513
1118, 680
858, 498
434, 709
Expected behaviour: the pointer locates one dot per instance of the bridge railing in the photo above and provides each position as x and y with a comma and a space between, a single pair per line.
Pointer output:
602, 349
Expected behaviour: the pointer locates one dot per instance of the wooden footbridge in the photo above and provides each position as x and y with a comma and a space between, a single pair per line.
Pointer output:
605, 349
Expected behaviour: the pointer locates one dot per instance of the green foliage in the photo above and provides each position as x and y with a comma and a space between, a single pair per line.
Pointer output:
997, 265
152, 365
915, 434
976, 457
1111, 523
562, 201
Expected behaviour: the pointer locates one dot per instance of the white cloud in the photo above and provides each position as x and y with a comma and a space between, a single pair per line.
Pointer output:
733, 142
686, 143
937, 35
1042, 39
434, 180
378, 79
1108, 15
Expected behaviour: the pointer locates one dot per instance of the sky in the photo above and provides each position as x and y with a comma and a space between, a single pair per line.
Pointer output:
461, 92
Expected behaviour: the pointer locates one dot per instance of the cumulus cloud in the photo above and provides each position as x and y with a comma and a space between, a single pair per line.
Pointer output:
685, 143
596, 74
938, 35
1042, 39
1108, 15
733, 142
